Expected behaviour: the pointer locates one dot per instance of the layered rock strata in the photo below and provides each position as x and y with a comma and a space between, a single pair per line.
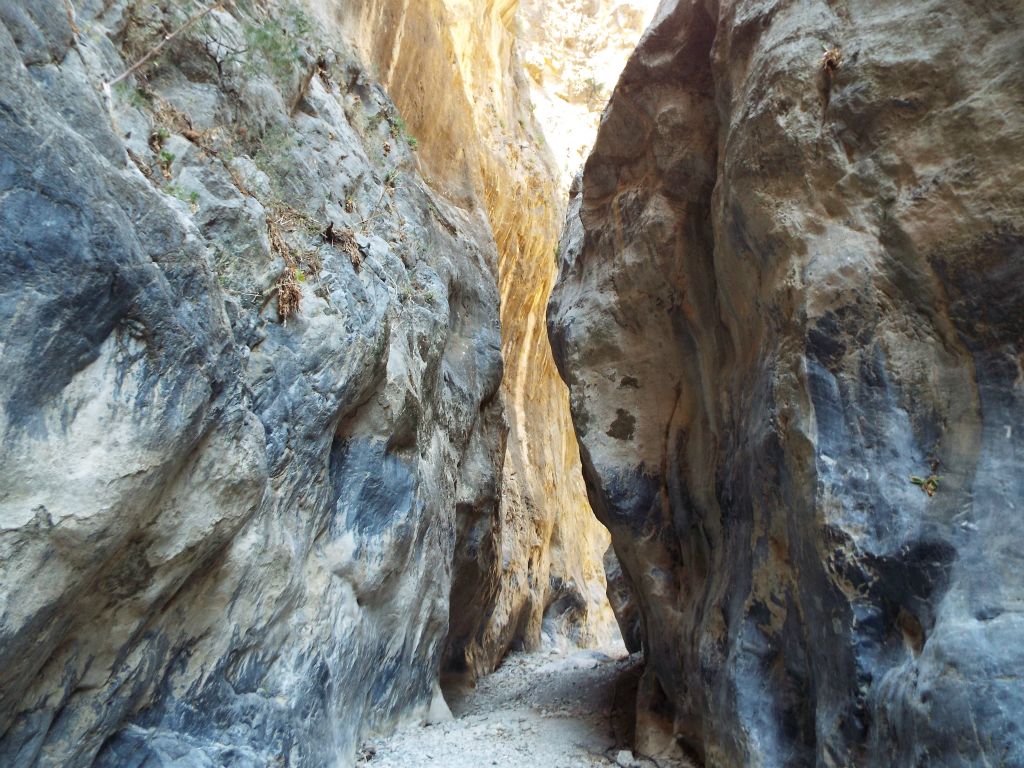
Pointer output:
791, 314
251, 368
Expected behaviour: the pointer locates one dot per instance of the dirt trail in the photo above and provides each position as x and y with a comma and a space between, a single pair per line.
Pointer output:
552, 709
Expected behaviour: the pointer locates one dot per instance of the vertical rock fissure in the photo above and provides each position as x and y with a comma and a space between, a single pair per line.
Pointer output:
283, 435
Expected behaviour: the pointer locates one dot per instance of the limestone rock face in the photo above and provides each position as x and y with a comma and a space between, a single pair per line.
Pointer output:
250, 383
454, 70
791, 314
573, 52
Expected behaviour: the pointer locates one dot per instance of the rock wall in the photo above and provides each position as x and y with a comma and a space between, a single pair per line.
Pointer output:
791, 314
251, 368
480, 144
573, 52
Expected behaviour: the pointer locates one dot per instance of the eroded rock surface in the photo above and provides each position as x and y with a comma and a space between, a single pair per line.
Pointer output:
573, 52
789, 285
250, 371
454, 70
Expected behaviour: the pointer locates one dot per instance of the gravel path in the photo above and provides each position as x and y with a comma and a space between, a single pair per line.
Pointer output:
552, 709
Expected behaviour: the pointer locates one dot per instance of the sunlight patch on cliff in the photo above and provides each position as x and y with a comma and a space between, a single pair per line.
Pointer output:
573, 52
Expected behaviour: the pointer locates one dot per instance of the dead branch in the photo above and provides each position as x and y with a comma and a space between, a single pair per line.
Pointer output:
75, 31
191, 21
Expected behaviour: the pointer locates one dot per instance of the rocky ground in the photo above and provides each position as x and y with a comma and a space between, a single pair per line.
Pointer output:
568, 708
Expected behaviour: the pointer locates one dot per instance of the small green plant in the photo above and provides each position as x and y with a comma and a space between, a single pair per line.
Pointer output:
132, 96
185, 195
279, 42
400, 131
156, 143
165, 160
398, 126
391, 178
928, 484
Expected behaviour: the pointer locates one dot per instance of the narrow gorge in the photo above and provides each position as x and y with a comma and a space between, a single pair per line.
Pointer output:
510, 382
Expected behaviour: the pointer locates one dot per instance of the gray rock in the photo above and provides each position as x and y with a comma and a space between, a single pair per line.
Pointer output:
622, 597
785, 291
227, 534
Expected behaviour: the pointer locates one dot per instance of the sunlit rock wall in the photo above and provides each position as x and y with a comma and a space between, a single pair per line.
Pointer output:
791, 315
480, 144
573, 52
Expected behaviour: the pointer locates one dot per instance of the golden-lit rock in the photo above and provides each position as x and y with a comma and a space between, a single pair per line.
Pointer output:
455, 70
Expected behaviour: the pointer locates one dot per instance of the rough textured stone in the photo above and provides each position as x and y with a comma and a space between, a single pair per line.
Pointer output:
453, 69
226, 534
231, 532
622, 597
573, 52
785, 290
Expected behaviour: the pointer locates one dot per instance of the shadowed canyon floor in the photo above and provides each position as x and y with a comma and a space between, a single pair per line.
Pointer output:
559, 708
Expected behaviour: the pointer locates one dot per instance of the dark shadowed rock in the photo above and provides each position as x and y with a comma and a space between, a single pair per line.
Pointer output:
623, 601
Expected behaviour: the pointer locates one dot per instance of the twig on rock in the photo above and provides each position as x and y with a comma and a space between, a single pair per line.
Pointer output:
191, 21
75, 31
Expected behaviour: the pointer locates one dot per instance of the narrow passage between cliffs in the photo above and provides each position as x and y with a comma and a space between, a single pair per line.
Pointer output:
556, 708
